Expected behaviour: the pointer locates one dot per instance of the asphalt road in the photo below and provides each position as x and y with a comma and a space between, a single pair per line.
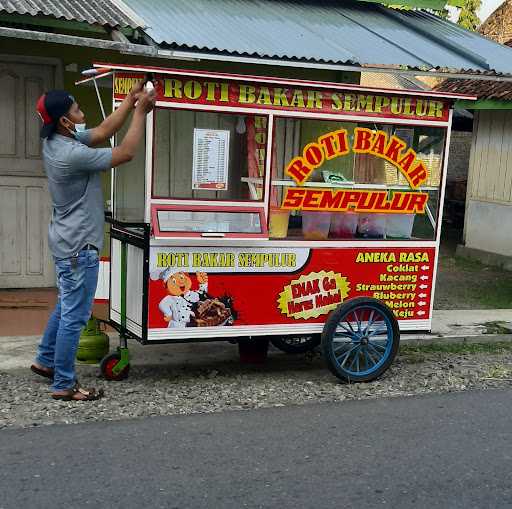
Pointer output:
442, 451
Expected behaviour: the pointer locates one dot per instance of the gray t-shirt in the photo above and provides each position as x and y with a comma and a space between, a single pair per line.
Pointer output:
74, 181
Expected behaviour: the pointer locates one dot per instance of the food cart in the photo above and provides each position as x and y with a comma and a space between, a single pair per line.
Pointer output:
277, 207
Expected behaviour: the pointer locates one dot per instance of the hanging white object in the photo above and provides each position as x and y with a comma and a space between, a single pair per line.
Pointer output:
240, 125
89, 72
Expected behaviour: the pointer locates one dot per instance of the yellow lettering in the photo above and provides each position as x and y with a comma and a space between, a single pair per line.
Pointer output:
247, 94
348, 104
224, 92
280, 98
365, 102
435, 109
172, 89
211, 87
315, 99
298, 99
337, 103
264, 97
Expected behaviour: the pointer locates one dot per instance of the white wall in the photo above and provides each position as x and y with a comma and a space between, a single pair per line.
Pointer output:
488, 221
489, 227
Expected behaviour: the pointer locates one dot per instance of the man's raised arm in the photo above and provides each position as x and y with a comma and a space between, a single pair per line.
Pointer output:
116, 119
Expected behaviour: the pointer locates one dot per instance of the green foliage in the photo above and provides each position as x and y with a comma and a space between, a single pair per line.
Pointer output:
468, 17
443, 13
434, 5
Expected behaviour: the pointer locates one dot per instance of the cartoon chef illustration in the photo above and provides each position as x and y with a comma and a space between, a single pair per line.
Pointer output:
177, 306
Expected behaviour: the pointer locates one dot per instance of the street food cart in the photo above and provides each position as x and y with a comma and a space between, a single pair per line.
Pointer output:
276, 207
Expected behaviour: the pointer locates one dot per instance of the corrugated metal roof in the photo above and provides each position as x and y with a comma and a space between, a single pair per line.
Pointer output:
102, 12
327, 31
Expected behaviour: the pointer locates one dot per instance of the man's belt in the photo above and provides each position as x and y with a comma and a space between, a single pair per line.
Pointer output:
90, 247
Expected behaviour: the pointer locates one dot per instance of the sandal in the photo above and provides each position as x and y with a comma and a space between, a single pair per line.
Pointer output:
79, 394
45, 372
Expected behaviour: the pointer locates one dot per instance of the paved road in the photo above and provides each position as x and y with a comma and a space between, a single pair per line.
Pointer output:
444, 451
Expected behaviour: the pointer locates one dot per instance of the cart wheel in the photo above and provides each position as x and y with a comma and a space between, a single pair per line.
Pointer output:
360, 340
296, 344
107, 366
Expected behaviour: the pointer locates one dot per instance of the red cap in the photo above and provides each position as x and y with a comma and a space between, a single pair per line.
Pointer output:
50, 107
41, 111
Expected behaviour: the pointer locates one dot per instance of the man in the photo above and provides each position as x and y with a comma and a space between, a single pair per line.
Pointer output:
73, 168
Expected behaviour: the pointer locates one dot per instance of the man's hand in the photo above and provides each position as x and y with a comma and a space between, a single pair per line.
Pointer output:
146, 101
136, 90
115, 121
126, 150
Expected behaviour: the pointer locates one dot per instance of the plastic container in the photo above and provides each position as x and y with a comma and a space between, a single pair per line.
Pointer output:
399, 226
93, 344
278, 223
344, 225
371, 226
316, 225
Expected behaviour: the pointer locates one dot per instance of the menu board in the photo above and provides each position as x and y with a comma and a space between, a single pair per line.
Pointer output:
210, 159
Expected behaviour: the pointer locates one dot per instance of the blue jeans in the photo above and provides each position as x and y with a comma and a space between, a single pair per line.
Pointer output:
77, 278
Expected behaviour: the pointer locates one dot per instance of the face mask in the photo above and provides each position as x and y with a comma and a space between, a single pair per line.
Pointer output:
79, 128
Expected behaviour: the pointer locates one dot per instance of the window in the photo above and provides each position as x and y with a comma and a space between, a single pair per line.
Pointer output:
129, 188
170, 221
213, 156
345, 180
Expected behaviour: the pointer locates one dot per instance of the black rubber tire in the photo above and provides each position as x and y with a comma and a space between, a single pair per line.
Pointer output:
287, 344
330, 327
106, 368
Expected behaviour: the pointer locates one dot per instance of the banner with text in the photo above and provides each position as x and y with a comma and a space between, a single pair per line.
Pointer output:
221, 92
197, 287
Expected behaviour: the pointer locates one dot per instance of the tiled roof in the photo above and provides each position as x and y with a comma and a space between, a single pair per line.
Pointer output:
498, 27
498, 90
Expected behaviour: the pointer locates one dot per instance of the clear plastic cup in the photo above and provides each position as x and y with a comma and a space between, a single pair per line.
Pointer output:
371, 226
316, 225
399, 226
278, 223
343, 225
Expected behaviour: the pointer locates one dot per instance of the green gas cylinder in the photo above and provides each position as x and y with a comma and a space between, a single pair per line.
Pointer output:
94, 343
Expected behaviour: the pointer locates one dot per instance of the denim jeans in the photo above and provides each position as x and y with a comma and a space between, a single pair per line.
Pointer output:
77, 278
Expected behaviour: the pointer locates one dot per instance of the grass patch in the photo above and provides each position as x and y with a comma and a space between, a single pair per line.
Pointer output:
464, 283
415, 351
468, 264
494, 293
495, 296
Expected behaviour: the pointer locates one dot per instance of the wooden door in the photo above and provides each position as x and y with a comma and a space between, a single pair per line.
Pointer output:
25, 207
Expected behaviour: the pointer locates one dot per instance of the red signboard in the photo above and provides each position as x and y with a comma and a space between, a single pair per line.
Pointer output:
215, 286
240, 94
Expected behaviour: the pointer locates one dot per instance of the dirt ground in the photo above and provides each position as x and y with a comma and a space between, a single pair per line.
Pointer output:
467, 284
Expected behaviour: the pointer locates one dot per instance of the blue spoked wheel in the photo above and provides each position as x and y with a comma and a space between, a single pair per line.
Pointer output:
360, 340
